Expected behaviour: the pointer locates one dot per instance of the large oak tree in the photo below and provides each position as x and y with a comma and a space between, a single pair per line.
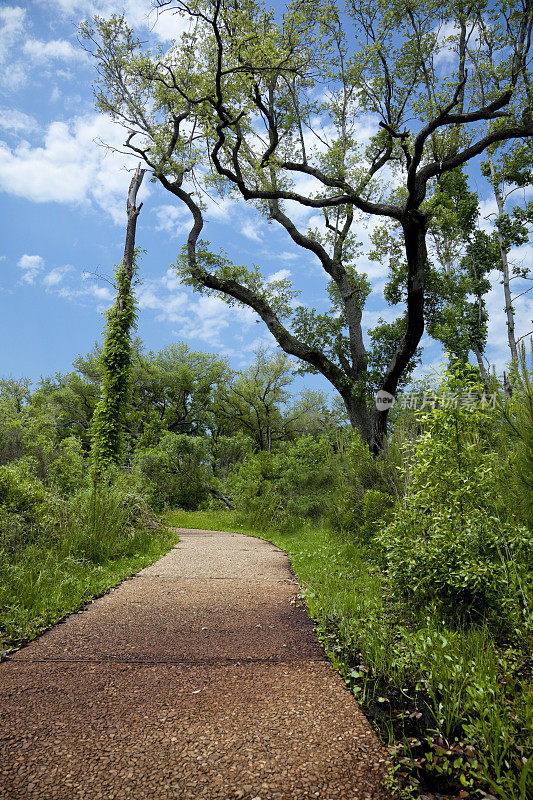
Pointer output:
250, 104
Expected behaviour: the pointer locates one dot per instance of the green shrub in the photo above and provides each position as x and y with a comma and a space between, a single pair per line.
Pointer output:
288, 485
100, 523
473, 569
448, 544
67, 468
516, 484
359, 472
377, 512
20, 492
14, 533
12, 438
176, 473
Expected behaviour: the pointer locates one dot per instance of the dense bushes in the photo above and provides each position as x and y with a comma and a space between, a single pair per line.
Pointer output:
332, 479
291, 484
62, 539
175, 472
452, 541
436, 510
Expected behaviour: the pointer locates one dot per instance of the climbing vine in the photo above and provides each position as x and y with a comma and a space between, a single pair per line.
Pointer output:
108, 418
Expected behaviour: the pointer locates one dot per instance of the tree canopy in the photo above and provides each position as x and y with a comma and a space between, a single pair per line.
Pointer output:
270, 109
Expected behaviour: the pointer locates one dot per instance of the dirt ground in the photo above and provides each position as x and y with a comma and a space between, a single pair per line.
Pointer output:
200, 678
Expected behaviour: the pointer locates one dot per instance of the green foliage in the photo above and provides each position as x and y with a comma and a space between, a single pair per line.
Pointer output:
100, 523
229, 451
176, 472
384, 340
288, 485
20, 492
255, 402
358, 473
451, 542
517, 473
108, 417
67, 468
315, 479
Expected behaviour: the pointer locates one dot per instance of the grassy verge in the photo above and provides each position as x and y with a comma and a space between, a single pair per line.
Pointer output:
455, 709
44, 581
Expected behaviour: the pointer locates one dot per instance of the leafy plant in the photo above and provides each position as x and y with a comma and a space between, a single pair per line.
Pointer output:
448, 543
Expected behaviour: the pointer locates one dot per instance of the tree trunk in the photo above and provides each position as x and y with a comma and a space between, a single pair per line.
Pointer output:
129, 245
379, 430
414, 224
108, 417
359, 416
509, 310
482, 370
222, 498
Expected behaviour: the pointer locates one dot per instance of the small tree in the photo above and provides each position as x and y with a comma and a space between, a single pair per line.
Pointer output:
108, 417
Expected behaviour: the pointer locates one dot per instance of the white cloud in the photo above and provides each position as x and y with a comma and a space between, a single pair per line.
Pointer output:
41, 52
11, 27
250, 230
30, 266
170, 307
280, 275
488, 211
448, 42
16, 121
71, 166
201, 317
447, 38
164, 24
55, 276
102, 294
288, 256
221, 209
174, 219
12, 23
15, 77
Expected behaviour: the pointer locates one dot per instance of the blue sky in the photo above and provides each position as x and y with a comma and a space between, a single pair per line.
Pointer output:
62, 198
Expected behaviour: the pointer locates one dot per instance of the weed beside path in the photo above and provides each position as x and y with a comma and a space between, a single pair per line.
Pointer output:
46, 580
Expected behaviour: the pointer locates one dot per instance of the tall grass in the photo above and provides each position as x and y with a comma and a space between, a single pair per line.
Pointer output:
84, 546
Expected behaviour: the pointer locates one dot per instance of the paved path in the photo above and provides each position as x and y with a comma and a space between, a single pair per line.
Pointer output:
199, 679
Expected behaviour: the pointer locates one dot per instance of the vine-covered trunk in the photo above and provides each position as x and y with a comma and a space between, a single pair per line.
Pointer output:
108, 417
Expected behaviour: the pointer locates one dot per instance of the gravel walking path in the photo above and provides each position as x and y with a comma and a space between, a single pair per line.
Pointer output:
199, 679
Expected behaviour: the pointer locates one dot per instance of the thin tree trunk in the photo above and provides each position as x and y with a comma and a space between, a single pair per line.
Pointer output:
509, 310
482, 370
129, 245
222, 498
